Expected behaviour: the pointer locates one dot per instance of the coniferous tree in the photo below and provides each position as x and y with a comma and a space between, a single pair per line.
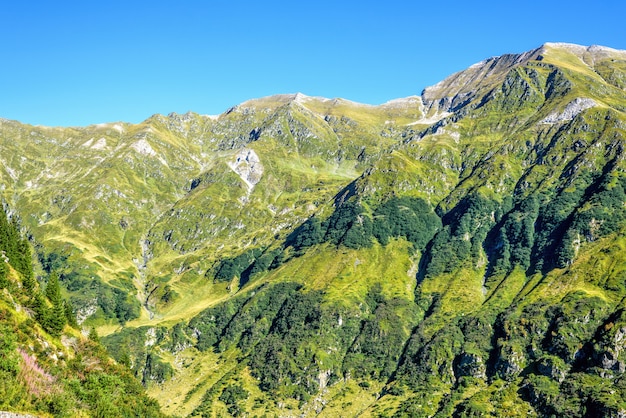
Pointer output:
4, 243
10, 237
29, 283
39, 306
93, 335
70, 316
4, 271
13, 250
24, 264
57, 315
4, 232
16, 250
53, 290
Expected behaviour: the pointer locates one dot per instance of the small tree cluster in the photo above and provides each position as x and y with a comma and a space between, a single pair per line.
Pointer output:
15, 250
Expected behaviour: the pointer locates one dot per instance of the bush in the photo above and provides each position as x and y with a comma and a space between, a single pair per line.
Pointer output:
233, 267
232, 396
8, 356
411, 218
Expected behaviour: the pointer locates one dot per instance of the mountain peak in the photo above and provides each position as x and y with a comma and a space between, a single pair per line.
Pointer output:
277, 100
564, 45
582, 49
589, 56
461, 87
403, 101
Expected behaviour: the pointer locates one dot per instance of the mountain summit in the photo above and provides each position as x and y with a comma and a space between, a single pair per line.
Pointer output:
454, 253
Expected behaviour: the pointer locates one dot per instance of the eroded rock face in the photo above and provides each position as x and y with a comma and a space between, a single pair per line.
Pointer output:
572, 110
323, 378
469, 364
510, 363
248, 166
608, 357
143, 147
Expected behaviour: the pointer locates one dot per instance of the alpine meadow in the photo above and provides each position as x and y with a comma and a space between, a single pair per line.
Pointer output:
461, 253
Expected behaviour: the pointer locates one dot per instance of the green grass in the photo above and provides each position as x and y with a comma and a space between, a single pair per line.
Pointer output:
195, 374
347, 275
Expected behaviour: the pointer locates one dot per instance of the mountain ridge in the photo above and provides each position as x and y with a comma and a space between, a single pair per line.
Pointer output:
591, 51
432, 255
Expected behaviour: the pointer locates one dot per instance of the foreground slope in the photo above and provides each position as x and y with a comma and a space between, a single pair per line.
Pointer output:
458, 253
47, 367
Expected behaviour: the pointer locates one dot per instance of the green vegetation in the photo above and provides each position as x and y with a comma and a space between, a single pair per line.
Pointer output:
45, 366
348, 226
455, 254
15, 250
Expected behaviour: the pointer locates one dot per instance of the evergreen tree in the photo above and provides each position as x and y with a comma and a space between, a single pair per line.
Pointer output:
53, 290
23, 263
93, 335
4, 271
4, 232
57, 316
29, 283
4, 244
16, 250
39, 306
9, 237
70, 316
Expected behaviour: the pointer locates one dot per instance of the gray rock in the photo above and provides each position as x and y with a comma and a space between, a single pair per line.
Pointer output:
572, 109
553, 368
510, 363
469, 364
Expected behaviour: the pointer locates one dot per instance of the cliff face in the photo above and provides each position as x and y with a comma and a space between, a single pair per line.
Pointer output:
455, 253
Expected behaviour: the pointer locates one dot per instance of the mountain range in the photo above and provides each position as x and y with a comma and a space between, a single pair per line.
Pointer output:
456, 253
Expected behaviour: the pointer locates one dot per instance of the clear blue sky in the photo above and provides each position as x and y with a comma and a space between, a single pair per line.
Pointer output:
73, 63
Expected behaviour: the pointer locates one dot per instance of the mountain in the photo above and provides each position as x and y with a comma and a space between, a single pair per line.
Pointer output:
456, 253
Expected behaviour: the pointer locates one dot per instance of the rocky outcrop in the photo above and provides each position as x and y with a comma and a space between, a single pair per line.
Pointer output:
248, 166
571, 110
552, 367
509, 363
464, 86
469, 364
143, 147
608, 354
